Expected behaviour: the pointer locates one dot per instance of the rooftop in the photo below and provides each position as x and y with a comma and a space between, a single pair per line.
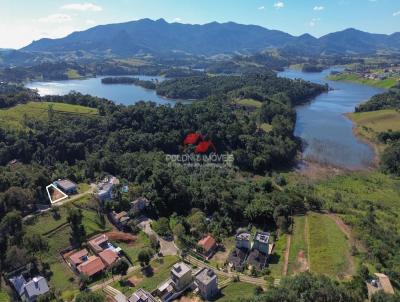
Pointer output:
33, 288
244, 235
66, 184
206, 275
98, 242
207, 243
180, 269
262, 237
141, 296
108, 257
79, 257
385, 283
92, 266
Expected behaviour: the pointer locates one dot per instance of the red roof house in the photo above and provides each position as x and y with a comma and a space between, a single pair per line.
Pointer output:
91, 267
208, 245
193, 139
108, 257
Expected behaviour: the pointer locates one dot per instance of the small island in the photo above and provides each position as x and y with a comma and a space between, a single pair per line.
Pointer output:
130, 80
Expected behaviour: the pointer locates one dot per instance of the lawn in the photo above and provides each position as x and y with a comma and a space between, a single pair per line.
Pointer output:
4, 297
387, 83
277, 257
236, 290
298, 254
133, 249
249, 103
329, 247
161, 272
15, 117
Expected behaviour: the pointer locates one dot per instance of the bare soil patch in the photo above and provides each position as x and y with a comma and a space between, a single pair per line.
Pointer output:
121, 237
302, 263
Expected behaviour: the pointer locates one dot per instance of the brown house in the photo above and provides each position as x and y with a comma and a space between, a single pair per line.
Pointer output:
91, 267
208, 245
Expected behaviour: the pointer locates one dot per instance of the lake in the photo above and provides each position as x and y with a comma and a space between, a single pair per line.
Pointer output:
323, 126
119, 93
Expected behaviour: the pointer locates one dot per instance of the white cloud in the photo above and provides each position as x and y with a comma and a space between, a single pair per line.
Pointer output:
90, 22
314, 21
261, 8
395, 14
177, 19
82, 7
279, 5
55, 18
319, 8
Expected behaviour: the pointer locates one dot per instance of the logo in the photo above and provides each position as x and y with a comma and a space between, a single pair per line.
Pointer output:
200, 152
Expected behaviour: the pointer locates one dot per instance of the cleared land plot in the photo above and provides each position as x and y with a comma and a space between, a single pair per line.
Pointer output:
4, 297
15, 117
235, 291
298, 254
248, 103
329, 248
133, 248
277, 257
160, 272
319, 245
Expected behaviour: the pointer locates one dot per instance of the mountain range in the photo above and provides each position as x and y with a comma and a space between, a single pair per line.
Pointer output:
147, 36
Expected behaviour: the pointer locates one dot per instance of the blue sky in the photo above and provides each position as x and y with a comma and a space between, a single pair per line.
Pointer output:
22, 21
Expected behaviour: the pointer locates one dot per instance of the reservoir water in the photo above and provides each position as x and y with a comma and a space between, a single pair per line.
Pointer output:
120, 93
321, 123
323, 126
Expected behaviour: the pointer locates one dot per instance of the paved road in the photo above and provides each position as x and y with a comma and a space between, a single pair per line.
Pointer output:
166, 247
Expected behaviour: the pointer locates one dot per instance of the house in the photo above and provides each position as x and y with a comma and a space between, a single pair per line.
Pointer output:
208, 245
99, 243
207, 283
181, 274
181, 279
261, 242
141, 296
120, 220
92, 266
139, 205
105, 188
243, 240
108, 257
67, 186
28, 291
381, 282
78, 258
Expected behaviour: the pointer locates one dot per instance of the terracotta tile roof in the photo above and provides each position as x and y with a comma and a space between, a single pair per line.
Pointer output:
76, 258
92, 266
207, 243
108, 257
97, 241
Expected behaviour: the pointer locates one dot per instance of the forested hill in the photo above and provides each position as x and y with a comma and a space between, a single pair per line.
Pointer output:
160, 37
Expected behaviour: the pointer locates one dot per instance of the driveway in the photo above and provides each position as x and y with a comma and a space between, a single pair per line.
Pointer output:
166, 247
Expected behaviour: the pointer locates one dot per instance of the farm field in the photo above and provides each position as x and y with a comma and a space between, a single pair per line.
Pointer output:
15, 117
320, 246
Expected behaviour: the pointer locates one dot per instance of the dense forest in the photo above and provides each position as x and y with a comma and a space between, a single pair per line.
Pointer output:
129, 80
386, 100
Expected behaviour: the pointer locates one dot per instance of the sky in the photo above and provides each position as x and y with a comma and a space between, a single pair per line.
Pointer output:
22, 21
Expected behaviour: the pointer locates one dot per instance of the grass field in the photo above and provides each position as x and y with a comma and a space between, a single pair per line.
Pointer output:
277, 257
235, 291
15, 117
370, 124
4, 297
249, 103
161, 272
298, 247
133, 249
387, 83
319, 245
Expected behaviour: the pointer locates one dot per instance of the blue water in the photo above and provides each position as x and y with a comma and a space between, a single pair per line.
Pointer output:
119, 93
323, 126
